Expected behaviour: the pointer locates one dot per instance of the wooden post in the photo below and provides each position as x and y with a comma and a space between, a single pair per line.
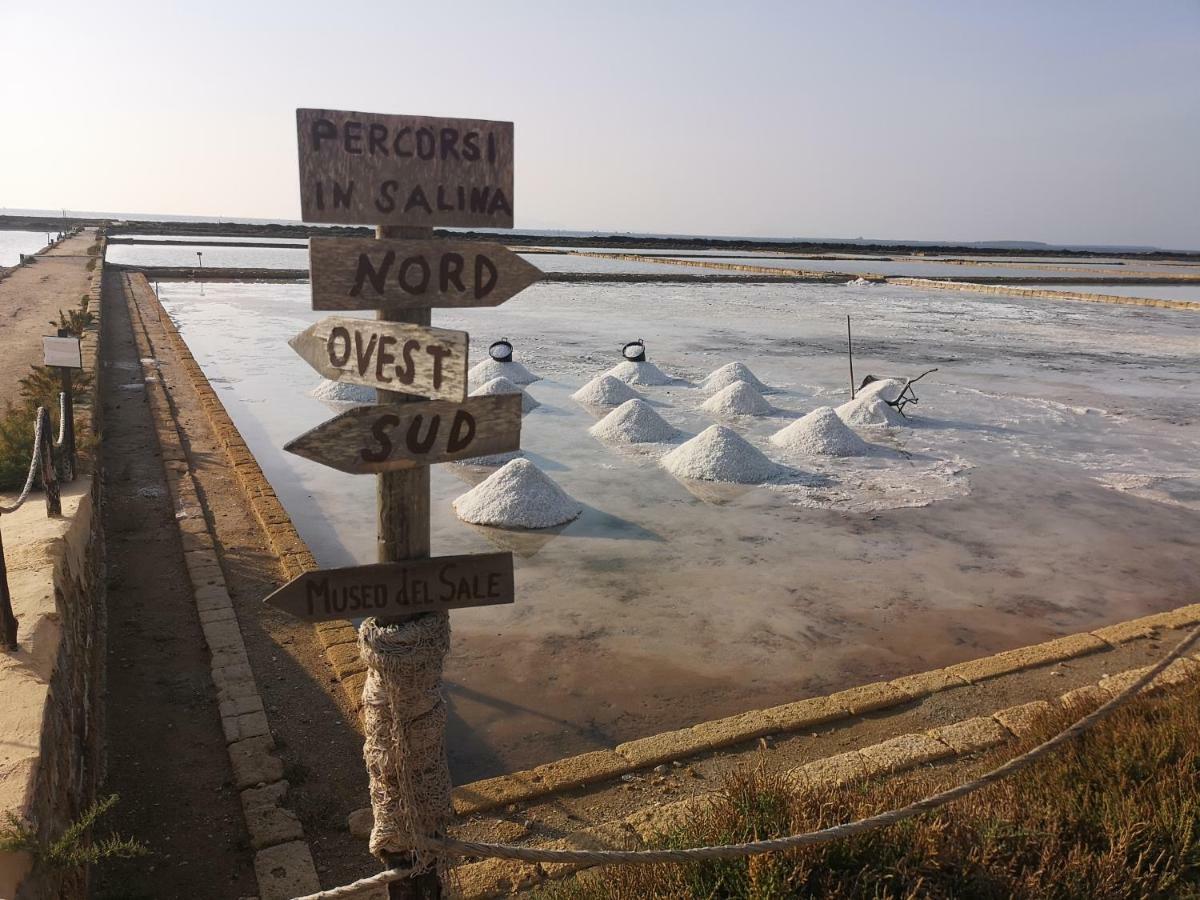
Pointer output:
68, 414
49, 475
8, 621
402, 509
850, 354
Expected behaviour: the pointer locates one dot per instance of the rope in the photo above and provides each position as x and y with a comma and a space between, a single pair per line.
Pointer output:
453, 847
62, 419
33, 463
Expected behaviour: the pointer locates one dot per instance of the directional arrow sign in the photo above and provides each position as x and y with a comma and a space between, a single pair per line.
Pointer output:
389, 589
370, 439
362, 273
394, 356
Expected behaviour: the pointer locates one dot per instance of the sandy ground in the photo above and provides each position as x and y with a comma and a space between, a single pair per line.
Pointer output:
1071, 498
30, 298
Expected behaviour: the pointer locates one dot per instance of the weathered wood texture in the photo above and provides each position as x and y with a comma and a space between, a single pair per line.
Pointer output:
404, 170
394, 356
371, 439
360, 273
399, 588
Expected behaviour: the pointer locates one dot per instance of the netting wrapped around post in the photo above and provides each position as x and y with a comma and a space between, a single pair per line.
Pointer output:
404, 719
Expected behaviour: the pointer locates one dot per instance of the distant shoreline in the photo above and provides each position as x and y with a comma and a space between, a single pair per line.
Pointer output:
610, 241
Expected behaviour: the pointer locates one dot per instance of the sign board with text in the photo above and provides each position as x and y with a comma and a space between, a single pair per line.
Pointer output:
399, 588
361, 273
368, 168
392, 356
385, 438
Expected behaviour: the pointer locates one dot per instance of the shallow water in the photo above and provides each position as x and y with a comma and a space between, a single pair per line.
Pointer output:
215, 257
1049, 483
14, 243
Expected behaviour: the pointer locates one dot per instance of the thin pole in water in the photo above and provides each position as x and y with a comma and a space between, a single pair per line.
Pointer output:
850, 354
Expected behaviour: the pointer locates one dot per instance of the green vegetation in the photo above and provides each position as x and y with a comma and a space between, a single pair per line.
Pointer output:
16, 446
1115, 814
73, 848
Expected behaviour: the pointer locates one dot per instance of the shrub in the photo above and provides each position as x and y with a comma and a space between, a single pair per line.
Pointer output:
73, 848
16, 446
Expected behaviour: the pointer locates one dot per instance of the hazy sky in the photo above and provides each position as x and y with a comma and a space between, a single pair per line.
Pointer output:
1063, 122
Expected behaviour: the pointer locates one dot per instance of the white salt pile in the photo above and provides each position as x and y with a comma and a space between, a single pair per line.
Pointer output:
341, 392
868, 411
639, 373
738, 399
731, 373
605, 390
520, 495
633, 422
886, 389
820, 433
504, 386
488, 369
858, 281
720, 454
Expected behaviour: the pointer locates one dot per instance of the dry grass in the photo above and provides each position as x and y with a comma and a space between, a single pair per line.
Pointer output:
1113, 815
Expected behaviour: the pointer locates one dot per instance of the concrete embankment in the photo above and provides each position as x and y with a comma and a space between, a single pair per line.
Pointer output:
52, 755
931, 284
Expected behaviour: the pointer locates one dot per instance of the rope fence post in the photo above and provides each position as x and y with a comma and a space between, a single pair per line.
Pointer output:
67, 412
48, 473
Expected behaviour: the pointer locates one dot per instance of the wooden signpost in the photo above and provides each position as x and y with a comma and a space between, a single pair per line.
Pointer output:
360, 273
401, 588
431, 362
371, 439
63, 351
405, 174
404, 170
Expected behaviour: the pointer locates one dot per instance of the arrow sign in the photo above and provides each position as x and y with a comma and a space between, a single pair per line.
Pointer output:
394, 356
361, 273
371, 439
403, 588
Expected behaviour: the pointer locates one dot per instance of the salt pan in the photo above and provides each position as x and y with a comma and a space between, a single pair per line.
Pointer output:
519, 495
504, 386
488, 369
820, 433
633, 422
605, 390
738, 399
341, 392
868, 411
720, 454
731, 373
640, 373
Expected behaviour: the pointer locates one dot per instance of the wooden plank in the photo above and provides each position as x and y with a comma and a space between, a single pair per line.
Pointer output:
370, 439
399, 588
392, 356
361, 273
358, 168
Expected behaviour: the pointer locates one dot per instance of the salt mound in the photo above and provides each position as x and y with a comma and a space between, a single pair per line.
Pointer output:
341, 392
633, 422
639, 373
504, 386
720, 454
738, 399
858, 281
488, 369
868, 411
731, 373
820, 433
886, 389
519, 495
605, 390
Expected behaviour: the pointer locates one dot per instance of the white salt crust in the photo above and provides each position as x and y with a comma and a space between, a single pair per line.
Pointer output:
820, 433
886, 389
519, 495
504, 386
633, 422
605, 390
738, 399
868, 411
720, 454
488, 369
640, 373
341, 392
730, 373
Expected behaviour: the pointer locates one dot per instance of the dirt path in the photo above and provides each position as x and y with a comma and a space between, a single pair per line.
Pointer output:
30, 297
166, 750
314, 731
